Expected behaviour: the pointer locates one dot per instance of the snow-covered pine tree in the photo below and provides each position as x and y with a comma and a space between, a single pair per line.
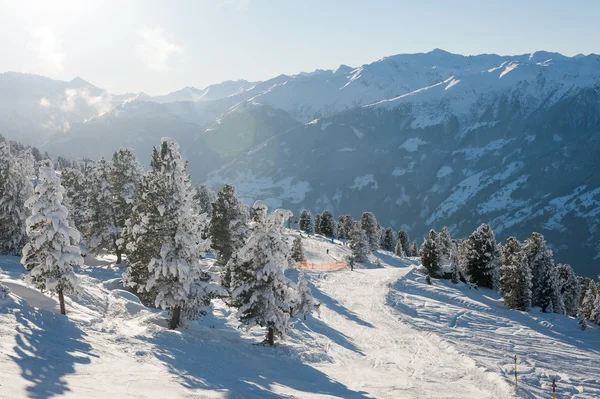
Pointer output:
370, 225
306, 223
327, 224
203, 199
176, 273
99, 231
581, 320
481, 257
344, 227
399, 250
587, 307
124, 177
261, 292
445, 243
359, 244
306, 302
15, 189
595, 317
431, 254
414, 249
389, 239
227, 225
298, 250
4, 291
52, 250
540, 262
567, 283
318, 223
454, 270
74, 199
515, 276
404, 242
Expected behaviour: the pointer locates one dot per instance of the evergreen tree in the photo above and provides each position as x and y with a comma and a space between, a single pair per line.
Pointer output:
75, 198
306, 223
389, 240
481, 257
327, 224
370, 225
306, 302
261, 292
415, 249
587, 307
581, 321
344, 227
404, 243
359, 244
399, 250
445, 243
318, 223
15, 189
203, 199
540, 262
569, 290
595, 316
227, 225
52, 250
176, 273
298, 250
515, 280
431, 254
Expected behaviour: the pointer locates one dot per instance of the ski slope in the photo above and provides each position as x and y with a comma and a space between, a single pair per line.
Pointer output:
380, 332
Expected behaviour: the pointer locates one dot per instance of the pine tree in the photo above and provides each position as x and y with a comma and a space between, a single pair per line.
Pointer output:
515, 280
327, 224
445, 243
306, 223
261, 292
404, 242
569, 290
124, 177
481, 257
414, 249
227, 225
389, 240
399, 250
431, 254
306, 302
587, 306
99, 231
540, 262
203, 199
52, 250
595, 316
344, 227
359, 244
176, 273
4, 291
370, 225
581, 321
318, 223
15, 189
75, 199
298, 250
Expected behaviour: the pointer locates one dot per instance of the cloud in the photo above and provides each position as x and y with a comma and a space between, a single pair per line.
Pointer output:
47, 47
156, 49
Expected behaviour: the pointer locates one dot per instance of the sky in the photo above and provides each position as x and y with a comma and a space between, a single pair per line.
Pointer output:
162, 46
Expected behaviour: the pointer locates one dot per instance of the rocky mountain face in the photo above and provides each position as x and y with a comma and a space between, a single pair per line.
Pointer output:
422, 140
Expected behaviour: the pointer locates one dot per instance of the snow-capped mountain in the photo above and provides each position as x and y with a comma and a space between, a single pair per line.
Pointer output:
422, 140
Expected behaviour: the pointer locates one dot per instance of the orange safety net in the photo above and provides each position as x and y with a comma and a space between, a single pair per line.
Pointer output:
322, 266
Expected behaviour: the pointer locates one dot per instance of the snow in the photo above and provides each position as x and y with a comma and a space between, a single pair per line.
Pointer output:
398, 171
357, 132
346, 149
444, 171
509, 68
412, 144
379, 332
364, 181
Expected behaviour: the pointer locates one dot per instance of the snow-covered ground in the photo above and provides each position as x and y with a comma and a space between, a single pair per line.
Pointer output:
381, 332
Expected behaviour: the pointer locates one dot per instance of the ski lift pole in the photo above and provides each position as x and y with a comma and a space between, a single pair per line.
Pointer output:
553, 388
516, 381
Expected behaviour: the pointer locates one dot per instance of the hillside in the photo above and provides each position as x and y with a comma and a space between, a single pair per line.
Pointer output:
380, 332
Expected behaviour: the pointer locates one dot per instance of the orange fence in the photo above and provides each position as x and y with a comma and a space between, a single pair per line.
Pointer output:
322, 266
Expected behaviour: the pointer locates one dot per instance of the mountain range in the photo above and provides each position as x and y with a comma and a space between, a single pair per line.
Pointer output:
422, 140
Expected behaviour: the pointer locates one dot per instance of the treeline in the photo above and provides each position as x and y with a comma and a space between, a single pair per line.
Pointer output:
363, 236
525, 273
162, 224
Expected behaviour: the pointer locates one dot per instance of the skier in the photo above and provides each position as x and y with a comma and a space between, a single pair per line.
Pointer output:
327, 251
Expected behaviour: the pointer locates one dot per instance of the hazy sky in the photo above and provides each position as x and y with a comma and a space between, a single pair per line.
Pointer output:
161, 46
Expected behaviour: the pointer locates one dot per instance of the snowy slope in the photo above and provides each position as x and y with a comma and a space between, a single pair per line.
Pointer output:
380, 333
